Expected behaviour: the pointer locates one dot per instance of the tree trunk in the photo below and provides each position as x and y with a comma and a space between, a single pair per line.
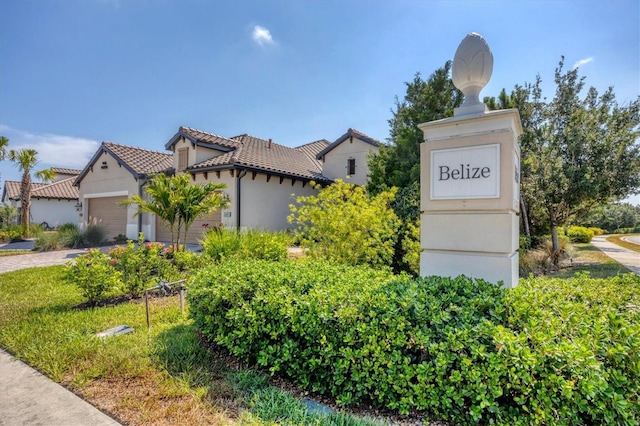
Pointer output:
25, 200
555, 244
525, 218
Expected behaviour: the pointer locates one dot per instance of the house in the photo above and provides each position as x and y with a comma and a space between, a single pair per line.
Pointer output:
113, 174
262, 178
52, 204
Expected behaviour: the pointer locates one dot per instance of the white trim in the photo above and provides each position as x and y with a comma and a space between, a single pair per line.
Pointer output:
106, 194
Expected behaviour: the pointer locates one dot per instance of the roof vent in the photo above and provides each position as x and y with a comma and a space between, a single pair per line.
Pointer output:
269, 146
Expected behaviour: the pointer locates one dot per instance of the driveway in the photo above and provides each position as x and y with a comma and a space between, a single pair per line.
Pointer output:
31, 260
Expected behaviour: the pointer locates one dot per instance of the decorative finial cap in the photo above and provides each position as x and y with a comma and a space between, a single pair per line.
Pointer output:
472, 68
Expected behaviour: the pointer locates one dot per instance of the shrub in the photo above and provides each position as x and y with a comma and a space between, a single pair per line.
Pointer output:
120, 239
580, 234
223, 243
65, 227
48, 241
343, 223
135, 268
596, 231
70, 236
141, 267
93, 274
93, 235
35, 230
465, 351
13, 233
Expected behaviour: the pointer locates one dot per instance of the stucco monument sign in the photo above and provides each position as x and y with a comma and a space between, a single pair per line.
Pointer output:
470, 180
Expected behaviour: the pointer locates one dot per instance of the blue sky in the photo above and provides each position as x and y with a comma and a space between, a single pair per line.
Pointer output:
75, 73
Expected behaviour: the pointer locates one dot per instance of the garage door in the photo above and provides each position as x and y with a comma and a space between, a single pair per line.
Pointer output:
108, 213
196, 231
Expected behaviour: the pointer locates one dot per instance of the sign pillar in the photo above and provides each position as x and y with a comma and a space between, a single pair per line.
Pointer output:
470, 181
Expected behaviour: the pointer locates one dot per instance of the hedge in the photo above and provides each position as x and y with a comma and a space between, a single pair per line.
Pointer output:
460, 350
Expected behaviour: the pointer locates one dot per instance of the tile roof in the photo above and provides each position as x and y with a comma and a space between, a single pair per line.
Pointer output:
265, 155
350, 133
61, 190
203, 138
141, 161
65, 171
313, 148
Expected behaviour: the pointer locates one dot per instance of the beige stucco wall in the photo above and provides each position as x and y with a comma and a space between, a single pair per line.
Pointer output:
335, 162
265, 205
197, 154
113, 181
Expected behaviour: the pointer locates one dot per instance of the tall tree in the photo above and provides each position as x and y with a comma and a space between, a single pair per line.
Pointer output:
577, 152
4, 143
399, 164
25, 160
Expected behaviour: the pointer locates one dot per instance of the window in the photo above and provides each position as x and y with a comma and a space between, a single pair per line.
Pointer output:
351, 166
183, 159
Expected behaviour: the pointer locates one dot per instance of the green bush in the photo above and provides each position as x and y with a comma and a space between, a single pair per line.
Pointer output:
95, 277
463, 350
141, 267
223, 243
65, 227
70, 236
12, 233
580, 234
596, 231
135, 268
48, 241
343, 223
93, 235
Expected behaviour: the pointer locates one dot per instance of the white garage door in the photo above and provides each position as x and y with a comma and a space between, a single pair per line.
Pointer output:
108, 213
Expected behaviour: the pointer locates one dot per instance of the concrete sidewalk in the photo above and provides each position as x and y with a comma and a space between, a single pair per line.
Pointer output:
28, 398
628, 258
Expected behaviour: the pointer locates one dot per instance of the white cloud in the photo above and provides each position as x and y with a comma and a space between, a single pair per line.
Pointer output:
53, 150
262, 36
582, 62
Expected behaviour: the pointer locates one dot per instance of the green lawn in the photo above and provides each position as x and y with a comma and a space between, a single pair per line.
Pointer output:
161, 376
587, 258
14, 252
618, 239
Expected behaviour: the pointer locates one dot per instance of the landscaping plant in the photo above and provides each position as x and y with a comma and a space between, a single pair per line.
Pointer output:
343, 223
460, 350
220, 243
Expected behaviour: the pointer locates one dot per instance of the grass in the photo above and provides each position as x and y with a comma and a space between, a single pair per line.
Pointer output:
618, 239
14, 252
160, 377
587, 258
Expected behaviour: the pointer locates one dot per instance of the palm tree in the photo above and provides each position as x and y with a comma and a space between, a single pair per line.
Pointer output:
197, 200
178, 202
160, 189
4, 142
25, 159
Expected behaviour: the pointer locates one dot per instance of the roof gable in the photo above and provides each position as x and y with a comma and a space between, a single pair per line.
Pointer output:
351, 133
203, 139
139, 162
264, 155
